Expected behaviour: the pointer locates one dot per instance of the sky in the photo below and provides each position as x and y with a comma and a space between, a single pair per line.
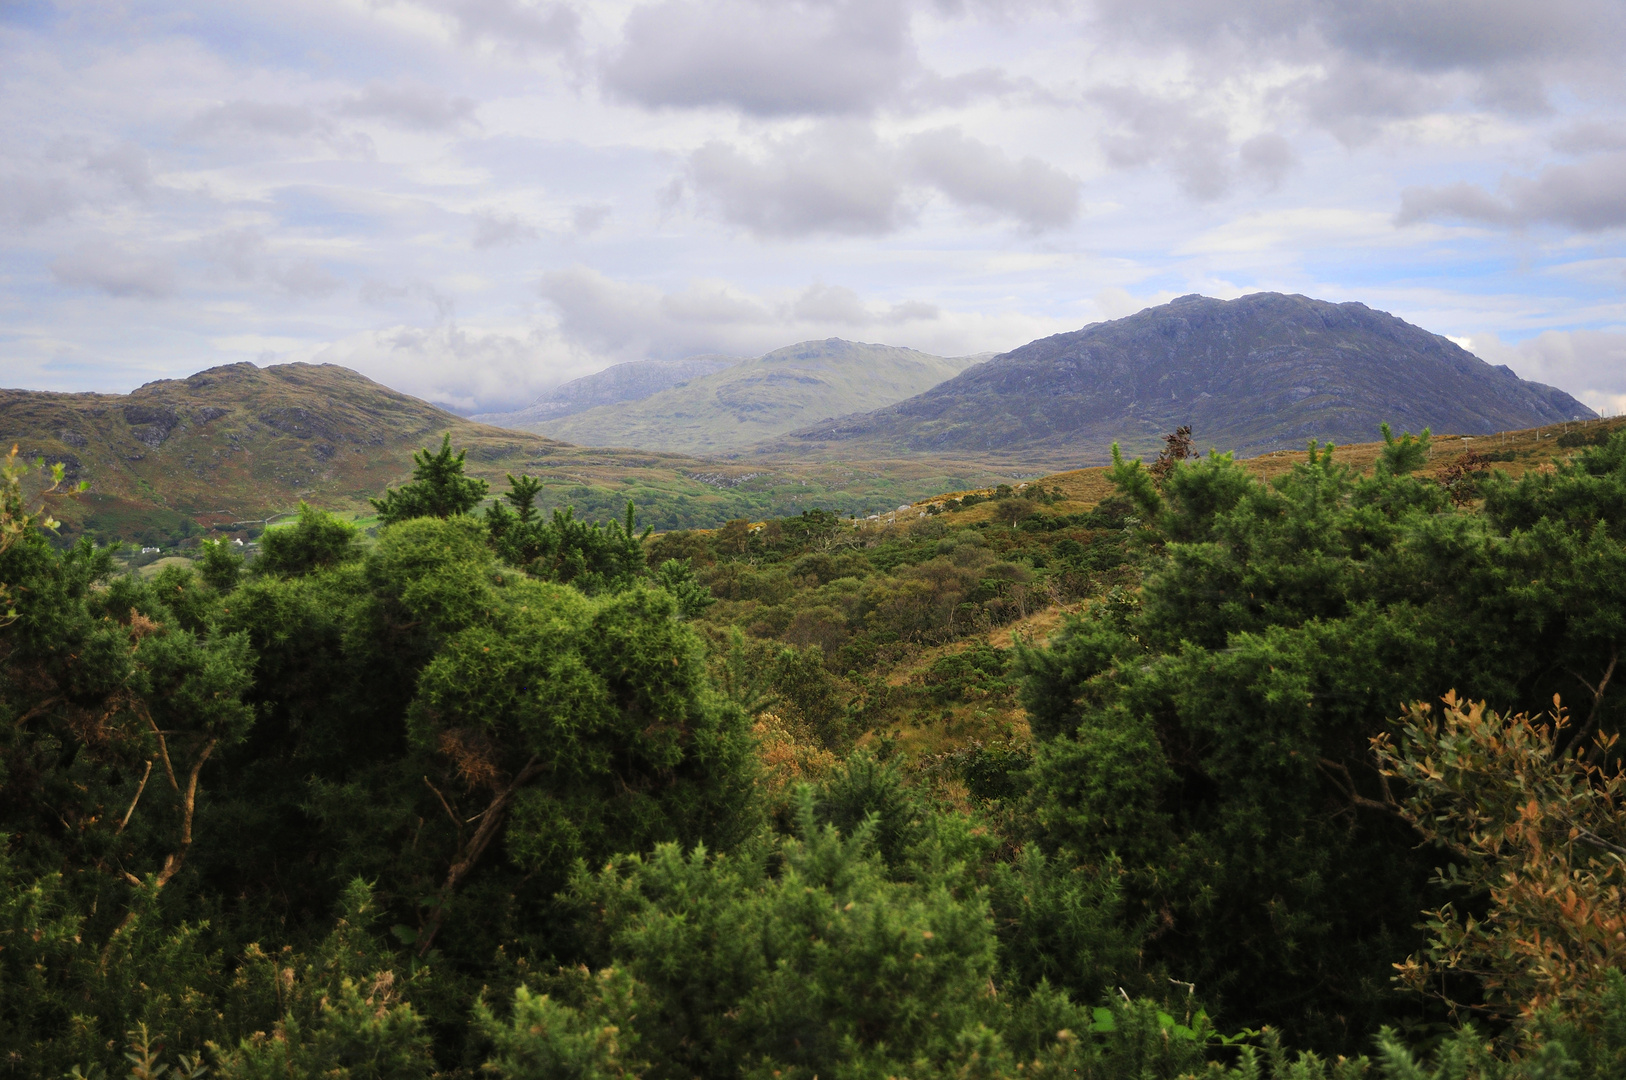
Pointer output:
475, 200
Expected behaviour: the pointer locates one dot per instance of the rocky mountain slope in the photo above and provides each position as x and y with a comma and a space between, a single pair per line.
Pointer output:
622, 382
1263, 372
741, 405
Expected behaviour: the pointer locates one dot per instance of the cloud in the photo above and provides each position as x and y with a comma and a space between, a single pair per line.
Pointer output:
621, 320
1267, 159
839, 178
1192, 143
126, 163
974, 174
252, 122
247, 256
1590, 364
109, 269
409, 105
465, 369
799, 57
514, 26
1589, 196
496, 228
33, 200
586, 220
1589, 137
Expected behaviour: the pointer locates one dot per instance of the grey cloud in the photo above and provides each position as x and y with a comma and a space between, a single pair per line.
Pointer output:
586, 220
766, 58
33, 200
1589, 196
514, 25
1383, 60
258, 120
974, 174
1590, 137
495, 228
247, 256
413, 293
837, 178
115, 272
1267, 159
410, 105
127, 163
1354, 99
1192, 144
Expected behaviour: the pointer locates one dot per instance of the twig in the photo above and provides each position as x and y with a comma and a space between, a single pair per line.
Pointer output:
163, 748
470, 854
35, 711
444, 805
1347, 788
1597, 699
139, 789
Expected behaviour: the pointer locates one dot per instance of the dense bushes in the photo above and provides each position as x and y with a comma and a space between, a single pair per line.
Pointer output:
499, 794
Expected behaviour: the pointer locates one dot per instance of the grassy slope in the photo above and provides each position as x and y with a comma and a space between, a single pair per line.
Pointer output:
761, 398
230, 447
919, 726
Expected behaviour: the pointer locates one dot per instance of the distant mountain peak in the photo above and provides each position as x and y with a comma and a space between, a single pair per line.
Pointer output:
1261, 372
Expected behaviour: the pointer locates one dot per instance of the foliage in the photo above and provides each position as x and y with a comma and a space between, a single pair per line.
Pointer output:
1536, 824
316, 540
1215, 734
438, 487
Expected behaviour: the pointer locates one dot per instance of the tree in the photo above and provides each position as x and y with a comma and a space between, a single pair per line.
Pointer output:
438, 488
1215, 735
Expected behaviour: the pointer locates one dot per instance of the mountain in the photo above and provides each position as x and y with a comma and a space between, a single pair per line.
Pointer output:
1262, 372
227, 448
622, 382
758, 399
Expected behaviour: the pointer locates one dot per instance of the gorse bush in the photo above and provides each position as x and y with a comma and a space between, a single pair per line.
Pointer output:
503, 795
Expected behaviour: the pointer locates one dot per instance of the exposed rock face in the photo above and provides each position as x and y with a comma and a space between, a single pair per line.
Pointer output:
1262, 372
150, 424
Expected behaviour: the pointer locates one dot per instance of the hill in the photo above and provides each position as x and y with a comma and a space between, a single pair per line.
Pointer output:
759, 399
621, 382
228, 448
1260, 373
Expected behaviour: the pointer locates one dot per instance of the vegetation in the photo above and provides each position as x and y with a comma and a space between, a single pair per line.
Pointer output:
1328, 761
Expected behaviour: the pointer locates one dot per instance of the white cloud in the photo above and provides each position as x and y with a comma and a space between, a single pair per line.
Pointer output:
109, 269
1590, 364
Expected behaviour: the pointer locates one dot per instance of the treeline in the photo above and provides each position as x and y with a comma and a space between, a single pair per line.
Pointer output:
511, 793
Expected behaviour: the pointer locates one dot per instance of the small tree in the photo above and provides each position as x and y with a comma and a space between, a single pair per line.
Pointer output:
438, 488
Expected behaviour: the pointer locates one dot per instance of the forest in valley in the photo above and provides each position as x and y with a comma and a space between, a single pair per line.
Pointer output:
1317, 778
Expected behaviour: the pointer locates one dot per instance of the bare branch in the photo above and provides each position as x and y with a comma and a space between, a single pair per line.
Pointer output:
163, 747
1347, 788
172, 863
492, 818
139, 789
444, 805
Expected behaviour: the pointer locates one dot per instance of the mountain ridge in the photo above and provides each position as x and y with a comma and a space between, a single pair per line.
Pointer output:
1263, 372
631, 381
763, 397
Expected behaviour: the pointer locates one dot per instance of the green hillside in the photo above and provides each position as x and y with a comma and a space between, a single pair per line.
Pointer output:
759, 399
228, 448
